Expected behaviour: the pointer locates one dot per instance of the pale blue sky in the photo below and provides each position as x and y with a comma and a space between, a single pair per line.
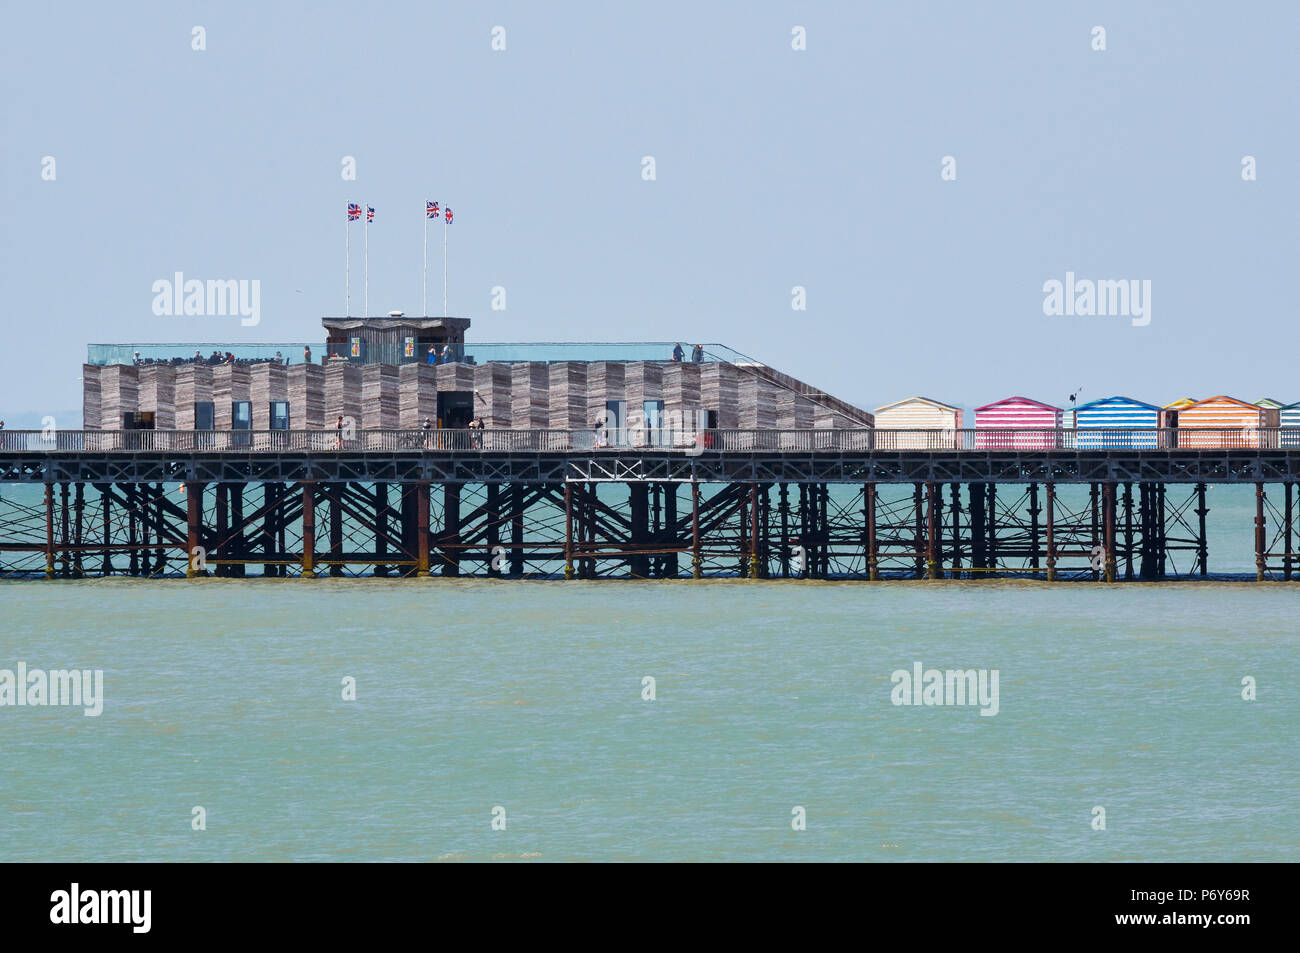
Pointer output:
775, 168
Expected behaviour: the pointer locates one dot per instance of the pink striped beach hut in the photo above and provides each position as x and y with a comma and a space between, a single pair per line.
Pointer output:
1017, 423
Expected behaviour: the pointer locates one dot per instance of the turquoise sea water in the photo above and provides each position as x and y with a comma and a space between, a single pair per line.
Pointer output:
770, 695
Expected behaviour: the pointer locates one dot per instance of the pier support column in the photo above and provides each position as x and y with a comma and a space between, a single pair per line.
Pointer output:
1128, 530
239, 541
783, 512
753, 531
1289, 516
193, 527
516, 529
638, 531
918, 530
308, 529
978, 538
1202, 544
1034, 510
1094, 502
493, 527
451, 540
1108, 521
932, 505
873, 544
334, 492
1050, 515
568, 530
955, 509
222, 546
1259, 533
422, 528
78, 528
49, 530
991, 524
671, 567
696, 562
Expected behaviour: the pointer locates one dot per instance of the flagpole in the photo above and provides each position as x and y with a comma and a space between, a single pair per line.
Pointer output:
425, 307
366, 299
347, 268
444, 264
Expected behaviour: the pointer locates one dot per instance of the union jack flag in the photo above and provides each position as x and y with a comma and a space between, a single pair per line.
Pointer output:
354, 211
430, 209
370, 214
448, 216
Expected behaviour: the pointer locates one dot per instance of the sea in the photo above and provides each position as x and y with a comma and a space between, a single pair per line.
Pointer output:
721, 719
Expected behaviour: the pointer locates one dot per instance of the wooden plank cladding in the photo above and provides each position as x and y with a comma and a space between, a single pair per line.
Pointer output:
492, 398
417, 395
380, 397
530, 396
568, 397
520, 395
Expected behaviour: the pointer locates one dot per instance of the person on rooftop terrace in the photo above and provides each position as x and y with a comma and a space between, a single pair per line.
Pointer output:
433, 354
306, 354
678, 353
697, 354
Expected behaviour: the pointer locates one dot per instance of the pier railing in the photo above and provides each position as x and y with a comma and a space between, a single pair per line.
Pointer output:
691, 442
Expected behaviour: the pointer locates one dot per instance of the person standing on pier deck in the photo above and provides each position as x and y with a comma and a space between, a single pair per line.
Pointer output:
339, 427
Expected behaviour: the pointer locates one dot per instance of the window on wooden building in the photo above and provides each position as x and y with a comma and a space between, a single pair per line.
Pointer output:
279, 415
204, 415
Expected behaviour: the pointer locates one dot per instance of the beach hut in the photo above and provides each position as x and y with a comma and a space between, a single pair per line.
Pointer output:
1223, 422
1289, 421
1169, 420
1017, 423
1269, 403
1116, 423
940, 421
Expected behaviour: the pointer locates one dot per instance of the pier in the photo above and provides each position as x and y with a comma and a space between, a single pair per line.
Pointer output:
576, 504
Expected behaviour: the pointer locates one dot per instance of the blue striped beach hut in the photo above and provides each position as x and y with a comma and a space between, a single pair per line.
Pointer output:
1289, 421
1116, 423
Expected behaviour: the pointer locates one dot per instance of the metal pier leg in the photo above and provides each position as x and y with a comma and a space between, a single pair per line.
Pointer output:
238, 539
49, 530
1128, 530
955, 510
696, 565
1289, 511
991, 523
873, 544
979, 537
422, 528
223, 528
451, 529
1108, 545
516, 529
671, 567
931, 531
193, 531
1033, 526
308, 528
334, 493
106, 500
783, 510
381, 527
568, 530
918, 530
1051, 531
1095, 504
639, 512
753, 531
142, 511
78, 538
493, 536
1259, 533
65, 569
1202, 544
